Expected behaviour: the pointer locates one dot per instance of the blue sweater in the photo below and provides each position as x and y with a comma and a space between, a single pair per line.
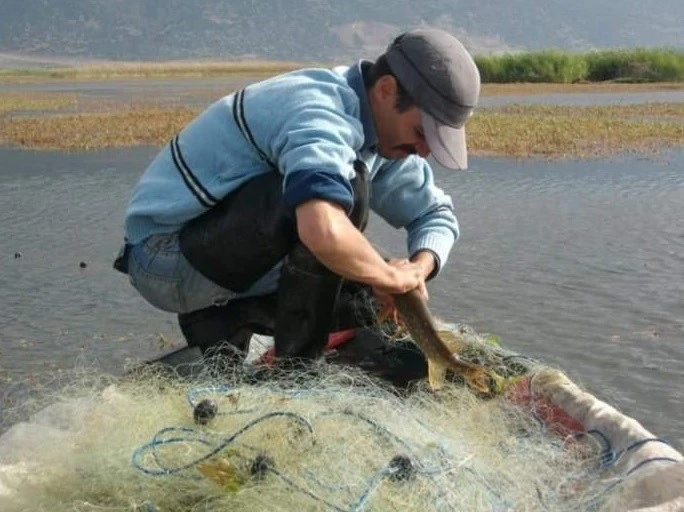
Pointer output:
309, 125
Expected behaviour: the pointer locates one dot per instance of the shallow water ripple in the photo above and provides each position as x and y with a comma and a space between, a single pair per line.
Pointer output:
577, 263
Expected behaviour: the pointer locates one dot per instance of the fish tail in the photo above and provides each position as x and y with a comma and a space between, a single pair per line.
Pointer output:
436, 375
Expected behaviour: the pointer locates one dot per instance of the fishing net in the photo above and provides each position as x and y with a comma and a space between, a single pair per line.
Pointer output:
322, 436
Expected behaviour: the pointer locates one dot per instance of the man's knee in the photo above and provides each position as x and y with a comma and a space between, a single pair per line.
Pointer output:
243, 237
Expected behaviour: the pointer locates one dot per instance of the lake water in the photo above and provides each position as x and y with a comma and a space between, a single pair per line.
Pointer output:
200, 91
578, 263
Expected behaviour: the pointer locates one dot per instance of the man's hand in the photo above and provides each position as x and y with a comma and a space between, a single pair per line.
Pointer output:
407, 276
412, 270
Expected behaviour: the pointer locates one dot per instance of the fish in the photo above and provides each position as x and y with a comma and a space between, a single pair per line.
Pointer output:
418, 321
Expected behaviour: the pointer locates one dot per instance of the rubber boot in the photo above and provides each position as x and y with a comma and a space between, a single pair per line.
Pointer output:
308, 291
226, 330
307, 295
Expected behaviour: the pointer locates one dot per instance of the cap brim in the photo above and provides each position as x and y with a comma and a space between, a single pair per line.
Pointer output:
447, 144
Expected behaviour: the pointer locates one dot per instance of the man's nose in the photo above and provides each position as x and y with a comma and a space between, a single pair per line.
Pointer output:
423, 149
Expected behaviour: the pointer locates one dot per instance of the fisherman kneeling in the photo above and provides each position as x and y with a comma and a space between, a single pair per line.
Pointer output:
252, 216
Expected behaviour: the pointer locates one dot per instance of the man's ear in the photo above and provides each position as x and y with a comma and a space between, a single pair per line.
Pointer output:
386, 87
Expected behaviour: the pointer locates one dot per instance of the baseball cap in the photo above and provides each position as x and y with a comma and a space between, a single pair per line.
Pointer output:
442, 78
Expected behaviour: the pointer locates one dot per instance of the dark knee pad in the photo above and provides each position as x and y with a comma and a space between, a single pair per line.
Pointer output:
243, 237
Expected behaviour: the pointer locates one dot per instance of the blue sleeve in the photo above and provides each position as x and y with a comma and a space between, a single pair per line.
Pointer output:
405, 195
301, 186
315, 141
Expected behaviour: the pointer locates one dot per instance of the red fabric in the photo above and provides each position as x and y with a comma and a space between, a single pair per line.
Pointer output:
335, 339
554, 417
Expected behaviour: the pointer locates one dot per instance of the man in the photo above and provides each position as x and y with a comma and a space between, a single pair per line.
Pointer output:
251, 218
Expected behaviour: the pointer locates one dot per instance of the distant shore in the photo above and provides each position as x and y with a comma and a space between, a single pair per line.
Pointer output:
134, 70
632, 65
47, 120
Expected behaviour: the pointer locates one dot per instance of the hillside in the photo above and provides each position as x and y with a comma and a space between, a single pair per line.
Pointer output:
322, 29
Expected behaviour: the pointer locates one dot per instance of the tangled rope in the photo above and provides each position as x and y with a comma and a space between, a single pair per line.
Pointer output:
402, 467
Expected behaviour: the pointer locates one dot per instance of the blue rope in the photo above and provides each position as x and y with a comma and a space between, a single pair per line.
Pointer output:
156, 441
373, 483
306, 491
595, 505
177, 435
607, 458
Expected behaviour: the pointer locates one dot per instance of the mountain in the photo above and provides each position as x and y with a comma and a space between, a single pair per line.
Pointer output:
322, 30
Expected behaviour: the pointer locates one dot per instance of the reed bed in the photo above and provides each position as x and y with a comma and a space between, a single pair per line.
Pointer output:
517, 131
608, 87
556, 66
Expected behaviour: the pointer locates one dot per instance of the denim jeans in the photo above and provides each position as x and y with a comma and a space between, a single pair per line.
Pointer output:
165, 278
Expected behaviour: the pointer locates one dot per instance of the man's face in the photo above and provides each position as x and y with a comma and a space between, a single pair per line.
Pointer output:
399, 134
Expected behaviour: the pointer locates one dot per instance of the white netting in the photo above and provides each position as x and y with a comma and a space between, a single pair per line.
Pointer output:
331, 440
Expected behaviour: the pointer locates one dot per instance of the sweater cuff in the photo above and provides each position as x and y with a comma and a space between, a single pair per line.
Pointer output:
435, 258
438, 244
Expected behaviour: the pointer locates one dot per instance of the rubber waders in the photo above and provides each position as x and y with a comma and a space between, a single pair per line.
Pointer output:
241, 239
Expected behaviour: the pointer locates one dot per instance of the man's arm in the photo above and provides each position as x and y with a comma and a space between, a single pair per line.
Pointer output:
326, 230
405, 195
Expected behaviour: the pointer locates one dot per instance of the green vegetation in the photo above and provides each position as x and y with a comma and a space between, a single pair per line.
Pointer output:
556, 66
549, 66
516, 130
44, 120
640, 65
120, 127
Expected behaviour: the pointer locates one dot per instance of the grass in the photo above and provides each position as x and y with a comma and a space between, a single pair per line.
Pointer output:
62, 122
558, 132
548, 66
557, 66
610, 87
132, 126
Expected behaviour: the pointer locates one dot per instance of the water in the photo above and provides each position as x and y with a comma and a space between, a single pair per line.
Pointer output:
580, 264
191, 92
198, 92
577, 263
